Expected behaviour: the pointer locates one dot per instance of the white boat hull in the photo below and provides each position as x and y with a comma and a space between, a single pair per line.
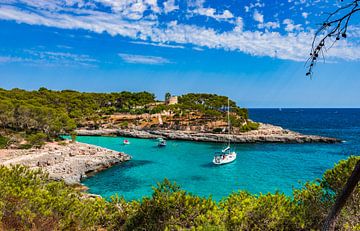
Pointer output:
225, 158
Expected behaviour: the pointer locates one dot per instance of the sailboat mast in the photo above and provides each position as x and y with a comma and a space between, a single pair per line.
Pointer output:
228, 115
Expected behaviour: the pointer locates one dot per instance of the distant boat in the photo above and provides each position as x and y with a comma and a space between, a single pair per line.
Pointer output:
126, 142
161, 142
226, 155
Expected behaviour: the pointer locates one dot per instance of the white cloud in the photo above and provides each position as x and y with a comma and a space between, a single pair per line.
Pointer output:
290, 26
239, 24
258, 17
198, 48
10, 59
170, 6
50, 59
142, 59
257, 4
292, 46
305, 15
211, 12
269, 25
158, 44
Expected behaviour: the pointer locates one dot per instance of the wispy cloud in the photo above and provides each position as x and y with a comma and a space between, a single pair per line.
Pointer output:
158, 44
140, 21
143, 59
49, 59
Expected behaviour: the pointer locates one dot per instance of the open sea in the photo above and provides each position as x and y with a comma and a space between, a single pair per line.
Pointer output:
259, 168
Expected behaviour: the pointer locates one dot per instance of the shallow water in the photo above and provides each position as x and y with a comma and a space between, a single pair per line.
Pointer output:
259, 168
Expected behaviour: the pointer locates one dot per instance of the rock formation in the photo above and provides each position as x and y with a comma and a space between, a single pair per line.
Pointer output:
70, 162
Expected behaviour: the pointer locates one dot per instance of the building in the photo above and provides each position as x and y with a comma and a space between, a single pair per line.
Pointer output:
172, 100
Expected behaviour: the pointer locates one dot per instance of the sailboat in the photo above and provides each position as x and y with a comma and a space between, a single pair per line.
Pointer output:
226, 155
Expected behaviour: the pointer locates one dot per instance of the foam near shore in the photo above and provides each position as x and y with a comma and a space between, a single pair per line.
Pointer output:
266, 133
70, 162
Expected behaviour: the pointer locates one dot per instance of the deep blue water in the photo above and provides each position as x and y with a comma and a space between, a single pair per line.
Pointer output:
259, 168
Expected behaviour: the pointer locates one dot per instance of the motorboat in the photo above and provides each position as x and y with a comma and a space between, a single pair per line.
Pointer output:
161, 142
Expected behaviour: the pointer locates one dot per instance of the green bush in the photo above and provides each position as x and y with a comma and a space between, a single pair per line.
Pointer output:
3, 141
124, 124
333, 182
217, 130
36, 140
170, 208
73, 135
265, 212
249, 126
30, 201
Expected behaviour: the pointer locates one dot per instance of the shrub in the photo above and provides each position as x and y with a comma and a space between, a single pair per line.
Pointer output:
170, 208
217, 130
333, 182
30, 201
249, 126
244, 211
3, 141
73, 136
124, 124
37, 139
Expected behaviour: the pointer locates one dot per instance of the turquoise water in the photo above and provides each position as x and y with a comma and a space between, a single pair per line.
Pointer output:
258, 168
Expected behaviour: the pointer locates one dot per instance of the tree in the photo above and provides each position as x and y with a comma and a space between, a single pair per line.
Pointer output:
167, 96
334, 28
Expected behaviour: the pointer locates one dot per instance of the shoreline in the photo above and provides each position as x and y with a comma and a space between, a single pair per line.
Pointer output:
266, 133
71, 162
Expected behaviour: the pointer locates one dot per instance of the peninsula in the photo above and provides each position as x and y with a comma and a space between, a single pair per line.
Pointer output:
266, 133
66, 161
31, 118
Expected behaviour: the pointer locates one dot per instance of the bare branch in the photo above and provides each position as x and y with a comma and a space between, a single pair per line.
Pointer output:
332, 30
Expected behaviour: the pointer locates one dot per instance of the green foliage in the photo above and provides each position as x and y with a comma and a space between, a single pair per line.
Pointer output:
167, 96
57, 112
213, 106
266, 212
124, 124
333, 182
54, 112
158, 109
170, 208
3, 142
73, 136
249, 126
37, 139
30, 201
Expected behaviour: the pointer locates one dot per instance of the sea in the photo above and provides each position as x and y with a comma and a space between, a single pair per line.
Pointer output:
258, 169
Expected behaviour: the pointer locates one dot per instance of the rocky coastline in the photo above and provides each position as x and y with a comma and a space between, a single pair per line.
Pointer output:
266, 133
70, 162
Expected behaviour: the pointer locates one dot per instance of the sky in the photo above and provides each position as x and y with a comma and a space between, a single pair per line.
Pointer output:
254, 51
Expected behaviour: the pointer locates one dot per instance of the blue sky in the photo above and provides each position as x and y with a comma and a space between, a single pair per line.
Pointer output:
253, 51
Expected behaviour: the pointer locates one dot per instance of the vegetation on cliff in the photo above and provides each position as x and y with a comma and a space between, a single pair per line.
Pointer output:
44, 114
30, 201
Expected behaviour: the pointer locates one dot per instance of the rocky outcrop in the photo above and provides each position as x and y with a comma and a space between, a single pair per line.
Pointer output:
70, 162
265, 134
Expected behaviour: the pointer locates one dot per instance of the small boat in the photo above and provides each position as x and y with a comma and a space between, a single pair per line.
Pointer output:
161, 142
126, 142
226, 155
